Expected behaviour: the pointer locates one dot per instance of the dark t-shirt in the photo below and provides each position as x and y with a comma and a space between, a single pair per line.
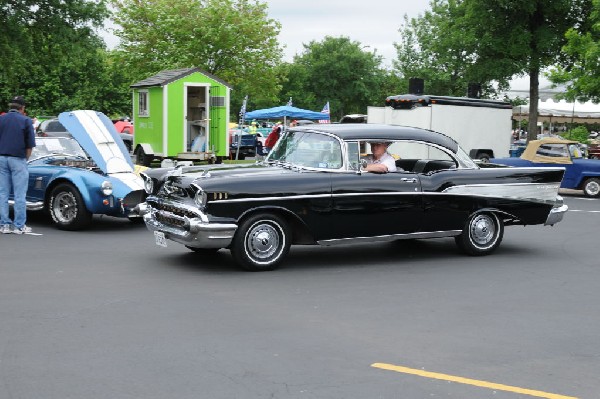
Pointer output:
16, 134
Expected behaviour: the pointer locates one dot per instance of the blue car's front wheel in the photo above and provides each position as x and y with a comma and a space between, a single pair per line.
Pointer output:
67, 208
591, 187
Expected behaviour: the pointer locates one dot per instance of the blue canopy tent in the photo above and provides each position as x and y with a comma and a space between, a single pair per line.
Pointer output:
285, 111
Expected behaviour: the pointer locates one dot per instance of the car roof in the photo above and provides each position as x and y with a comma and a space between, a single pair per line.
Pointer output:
374, 132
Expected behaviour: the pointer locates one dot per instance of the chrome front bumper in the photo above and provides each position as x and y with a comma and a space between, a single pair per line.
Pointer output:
193, 232
556, 215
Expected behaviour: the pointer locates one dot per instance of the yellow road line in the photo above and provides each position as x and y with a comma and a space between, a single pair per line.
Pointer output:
468, 381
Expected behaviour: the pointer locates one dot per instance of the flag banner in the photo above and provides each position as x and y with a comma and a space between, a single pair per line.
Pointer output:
325, 110
243, 109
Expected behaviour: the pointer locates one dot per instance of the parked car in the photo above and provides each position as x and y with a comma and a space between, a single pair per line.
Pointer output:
54, 128
312, 189
248, 145
86, 172
580, 173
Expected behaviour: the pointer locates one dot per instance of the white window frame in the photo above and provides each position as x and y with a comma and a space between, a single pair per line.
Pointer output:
143, 99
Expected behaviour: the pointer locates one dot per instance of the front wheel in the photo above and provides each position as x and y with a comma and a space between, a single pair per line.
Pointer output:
67, 208
481, 235
261, 242
591, 187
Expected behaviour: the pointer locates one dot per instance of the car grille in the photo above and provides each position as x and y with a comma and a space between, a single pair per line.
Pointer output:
170, 219
177, 210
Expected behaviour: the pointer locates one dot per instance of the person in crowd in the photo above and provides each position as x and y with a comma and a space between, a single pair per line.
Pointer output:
17, 139
253, 127
272, 138
380, 161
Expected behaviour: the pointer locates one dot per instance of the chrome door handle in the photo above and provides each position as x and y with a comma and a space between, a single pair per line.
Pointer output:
408, 180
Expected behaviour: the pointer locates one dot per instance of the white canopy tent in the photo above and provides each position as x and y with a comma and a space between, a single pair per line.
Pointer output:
551, 111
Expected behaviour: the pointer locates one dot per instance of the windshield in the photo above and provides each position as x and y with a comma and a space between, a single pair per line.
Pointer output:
308, 149
46, 146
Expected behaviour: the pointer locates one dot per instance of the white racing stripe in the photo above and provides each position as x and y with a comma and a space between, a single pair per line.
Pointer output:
104, 141
132, 180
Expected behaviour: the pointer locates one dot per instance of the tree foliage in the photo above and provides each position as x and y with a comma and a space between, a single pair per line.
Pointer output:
232, 39
51, 54
339, 71
582, 50
436, 48
493, 40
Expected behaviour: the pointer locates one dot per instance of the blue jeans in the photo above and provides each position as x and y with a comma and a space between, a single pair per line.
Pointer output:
13, 173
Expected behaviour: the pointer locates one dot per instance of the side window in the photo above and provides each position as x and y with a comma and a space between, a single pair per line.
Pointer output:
417, 150
353, 156
143, 103
419, 157
553, 150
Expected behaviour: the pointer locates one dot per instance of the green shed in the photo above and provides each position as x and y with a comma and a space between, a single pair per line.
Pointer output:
181, 114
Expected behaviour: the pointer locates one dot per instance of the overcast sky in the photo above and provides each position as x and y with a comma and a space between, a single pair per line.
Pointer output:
373, 23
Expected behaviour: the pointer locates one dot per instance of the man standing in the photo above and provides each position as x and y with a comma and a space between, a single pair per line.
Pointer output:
17, 138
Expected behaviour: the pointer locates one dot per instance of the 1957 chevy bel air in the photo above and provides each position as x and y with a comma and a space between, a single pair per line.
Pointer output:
312, 189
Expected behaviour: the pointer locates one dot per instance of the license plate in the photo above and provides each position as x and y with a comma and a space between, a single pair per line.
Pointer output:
160, 239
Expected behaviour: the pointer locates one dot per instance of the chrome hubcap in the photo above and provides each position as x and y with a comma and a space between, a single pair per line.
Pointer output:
65, 207
592, 188
482, 229
262, 241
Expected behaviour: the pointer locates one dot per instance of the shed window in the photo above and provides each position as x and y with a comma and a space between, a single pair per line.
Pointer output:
143, 103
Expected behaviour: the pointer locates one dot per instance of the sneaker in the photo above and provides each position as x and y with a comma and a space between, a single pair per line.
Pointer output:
5, 229
22, 230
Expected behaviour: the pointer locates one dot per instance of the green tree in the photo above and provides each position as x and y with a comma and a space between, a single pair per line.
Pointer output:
335, 70
580, 73
495, 40
51, 53
232, 39
436, 48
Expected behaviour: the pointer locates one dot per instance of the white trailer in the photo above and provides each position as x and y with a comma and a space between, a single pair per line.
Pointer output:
481, 127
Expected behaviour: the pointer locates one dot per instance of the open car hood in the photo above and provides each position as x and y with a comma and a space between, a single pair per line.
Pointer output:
99, 138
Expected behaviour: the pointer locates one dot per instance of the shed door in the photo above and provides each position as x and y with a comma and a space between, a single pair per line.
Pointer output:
196, 118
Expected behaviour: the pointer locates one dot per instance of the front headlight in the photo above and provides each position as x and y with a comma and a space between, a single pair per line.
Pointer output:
200, 198
148, 183
106, 187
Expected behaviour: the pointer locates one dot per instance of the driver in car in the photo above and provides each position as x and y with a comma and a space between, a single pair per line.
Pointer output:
380, 161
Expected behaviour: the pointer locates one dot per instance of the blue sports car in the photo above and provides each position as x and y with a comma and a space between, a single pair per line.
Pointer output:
90, 173
580, 173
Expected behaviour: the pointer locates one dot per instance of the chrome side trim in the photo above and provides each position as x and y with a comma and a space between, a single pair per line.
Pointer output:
545, 193
31, 206
391, 237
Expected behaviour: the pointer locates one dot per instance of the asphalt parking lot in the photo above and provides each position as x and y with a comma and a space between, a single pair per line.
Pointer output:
105, 313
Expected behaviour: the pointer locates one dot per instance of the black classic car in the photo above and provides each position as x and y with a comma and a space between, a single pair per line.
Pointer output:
312, 189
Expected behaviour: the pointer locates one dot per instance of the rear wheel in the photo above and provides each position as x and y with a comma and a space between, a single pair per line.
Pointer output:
591, 187
481, 235
67, 208
261, 242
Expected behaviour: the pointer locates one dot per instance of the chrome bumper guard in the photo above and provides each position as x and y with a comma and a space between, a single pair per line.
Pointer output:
556, 215
193, 232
